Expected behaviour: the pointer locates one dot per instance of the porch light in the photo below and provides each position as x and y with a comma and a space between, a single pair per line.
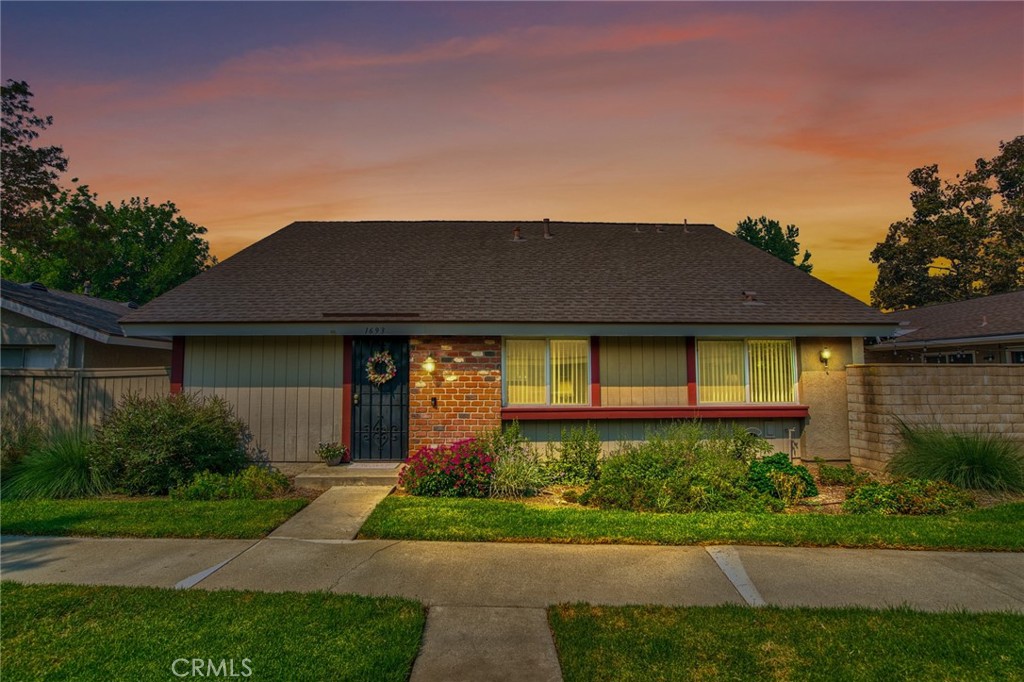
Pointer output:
429, 365
825, 356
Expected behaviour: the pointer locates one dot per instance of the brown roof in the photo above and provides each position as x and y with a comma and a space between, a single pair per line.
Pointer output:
976, 318
447, 271
87, 311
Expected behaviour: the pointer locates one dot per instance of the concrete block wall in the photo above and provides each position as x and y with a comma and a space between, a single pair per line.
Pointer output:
988, 398
466, 383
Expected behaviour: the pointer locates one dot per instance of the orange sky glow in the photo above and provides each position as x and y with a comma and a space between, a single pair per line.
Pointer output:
250, 116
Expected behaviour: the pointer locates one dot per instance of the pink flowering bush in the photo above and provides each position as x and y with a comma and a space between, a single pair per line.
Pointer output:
460, 469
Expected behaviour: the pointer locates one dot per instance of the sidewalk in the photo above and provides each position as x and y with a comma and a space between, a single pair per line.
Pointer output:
487, 601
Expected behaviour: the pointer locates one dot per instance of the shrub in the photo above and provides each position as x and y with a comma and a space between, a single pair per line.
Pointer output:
149, 445
844, 476
575, 460
681, 468
788, 487
19, 436
330, 452
252, 483
59, 468
518, 470
462, 469
759, 479
909, 496
968, 459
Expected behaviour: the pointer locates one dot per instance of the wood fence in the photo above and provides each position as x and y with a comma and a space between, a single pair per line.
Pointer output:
75, 398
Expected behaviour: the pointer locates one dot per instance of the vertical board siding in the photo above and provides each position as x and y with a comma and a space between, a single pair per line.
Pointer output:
74, 398
643, 371
287, 389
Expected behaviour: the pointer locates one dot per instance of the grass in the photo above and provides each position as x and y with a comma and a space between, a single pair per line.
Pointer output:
66, 632
967, 459
146, 517
416, 518
646, 643
57, 468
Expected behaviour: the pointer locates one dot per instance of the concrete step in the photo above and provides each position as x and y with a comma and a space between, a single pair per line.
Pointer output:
323, 476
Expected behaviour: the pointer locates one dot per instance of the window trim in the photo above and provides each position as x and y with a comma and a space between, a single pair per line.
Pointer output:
547, 372
794, 369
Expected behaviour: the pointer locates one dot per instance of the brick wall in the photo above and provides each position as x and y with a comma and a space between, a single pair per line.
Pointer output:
989, 398
466, 383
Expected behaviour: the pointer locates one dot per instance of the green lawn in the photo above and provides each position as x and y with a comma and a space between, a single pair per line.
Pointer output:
741, 643
67, 632
420, 518
146, 517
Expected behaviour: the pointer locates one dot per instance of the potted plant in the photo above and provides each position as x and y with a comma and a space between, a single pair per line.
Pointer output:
333, 454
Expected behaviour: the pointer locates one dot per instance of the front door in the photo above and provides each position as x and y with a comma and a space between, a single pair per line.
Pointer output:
380, 398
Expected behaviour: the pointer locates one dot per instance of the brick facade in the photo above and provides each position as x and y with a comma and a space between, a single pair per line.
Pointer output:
466, 383
987, 398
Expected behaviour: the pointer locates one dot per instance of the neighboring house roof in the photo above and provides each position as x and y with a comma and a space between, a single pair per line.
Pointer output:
473, 272
88, 316
990, 319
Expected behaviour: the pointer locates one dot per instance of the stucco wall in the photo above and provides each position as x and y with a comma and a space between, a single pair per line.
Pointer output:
989, 398
824, 391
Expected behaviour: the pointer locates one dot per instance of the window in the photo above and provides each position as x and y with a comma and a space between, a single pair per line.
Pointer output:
1017, 356
547, 371
27, 357
745, 371
957, 358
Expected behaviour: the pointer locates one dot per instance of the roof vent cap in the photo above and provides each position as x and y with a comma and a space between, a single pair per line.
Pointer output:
133, 305
517, 234
750, 297
38, 286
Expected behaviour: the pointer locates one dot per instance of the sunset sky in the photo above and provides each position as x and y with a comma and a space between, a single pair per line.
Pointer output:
251, 115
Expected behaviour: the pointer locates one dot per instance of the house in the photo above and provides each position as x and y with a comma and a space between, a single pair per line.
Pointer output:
389, 336
989, 329
43, 328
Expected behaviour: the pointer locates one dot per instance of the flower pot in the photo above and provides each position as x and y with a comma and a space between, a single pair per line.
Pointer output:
334, 461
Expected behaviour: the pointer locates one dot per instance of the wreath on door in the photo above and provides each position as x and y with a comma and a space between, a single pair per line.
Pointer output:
380, 368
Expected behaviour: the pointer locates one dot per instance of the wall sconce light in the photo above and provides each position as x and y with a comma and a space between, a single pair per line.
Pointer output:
429, 365
825, 356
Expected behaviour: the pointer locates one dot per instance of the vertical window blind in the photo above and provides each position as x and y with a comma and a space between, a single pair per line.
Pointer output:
547, 371
526, 371
771, 370
721, 372
569, 373
728, 369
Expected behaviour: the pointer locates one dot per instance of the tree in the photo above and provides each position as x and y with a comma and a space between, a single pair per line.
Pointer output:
767, 235
29, 173
131, 252
965, 238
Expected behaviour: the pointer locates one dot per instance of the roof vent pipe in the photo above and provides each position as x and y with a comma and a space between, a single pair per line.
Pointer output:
517, 234
547, 229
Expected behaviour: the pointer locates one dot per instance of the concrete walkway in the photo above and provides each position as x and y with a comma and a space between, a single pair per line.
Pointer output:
486, 618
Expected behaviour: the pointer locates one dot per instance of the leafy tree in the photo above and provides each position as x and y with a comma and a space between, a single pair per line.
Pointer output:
768, 235
131, 252
965, 238
29, 173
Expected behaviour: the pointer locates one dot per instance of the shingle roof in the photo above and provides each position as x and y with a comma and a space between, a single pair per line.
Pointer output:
998, 315
475, 272
87, 311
